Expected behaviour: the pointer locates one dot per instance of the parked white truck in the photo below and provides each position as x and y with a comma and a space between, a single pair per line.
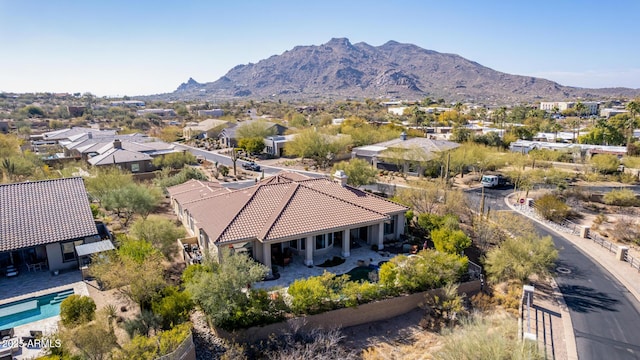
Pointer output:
493, 181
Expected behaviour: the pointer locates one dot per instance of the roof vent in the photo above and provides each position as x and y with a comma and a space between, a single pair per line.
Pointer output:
403, 136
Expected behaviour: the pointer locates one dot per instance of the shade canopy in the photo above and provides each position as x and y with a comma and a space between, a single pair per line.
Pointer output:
94, 247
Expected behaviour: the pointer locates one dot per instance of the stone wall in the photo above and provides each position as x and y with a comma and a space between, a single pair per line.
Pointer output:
341, 318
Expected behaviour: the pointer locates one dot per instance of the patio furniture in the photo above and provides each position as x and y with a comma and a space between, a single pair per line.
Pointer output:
6, 334
11, 271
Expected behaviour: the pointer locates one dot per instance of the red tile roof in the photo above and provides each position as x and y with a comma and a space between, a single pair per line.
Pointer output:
284, 206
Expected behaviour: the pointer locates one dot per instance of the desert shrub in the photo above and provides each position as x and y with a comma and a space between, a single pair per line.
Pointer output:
443, 308
430, 222
552, 208
626, 231
317, 293
605, 163
77, 309
173, 307
483, 302
627, 178
429, 269
621, 197
192, 270
143, 324
360, 292
519, 258
491, 337
450, 241
148, 348
508, 296
261, 309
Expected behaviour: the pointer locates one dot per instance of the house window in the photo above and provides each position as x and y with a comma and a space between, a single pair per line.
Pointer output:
69, 250
293, 244
135, 167
390, 227
324, 241
303, 243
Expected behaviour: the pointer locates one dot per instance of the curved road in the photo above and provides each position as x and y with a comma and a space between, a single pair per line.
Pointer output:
605, 316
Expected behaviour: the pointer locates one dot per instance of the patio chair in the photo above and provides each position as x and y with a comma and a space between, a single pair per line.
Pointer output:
6, 334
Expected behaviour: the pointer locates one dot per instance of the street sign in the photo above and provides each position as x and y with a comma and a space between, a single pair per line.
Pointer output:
521, 201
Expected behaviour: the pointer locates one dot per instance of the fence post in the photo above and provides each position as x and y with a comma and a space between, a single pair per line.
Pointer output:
622, 252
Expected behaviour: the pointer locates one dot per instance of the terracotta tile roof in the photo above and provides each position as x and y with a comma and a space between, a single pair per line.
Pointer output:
193, 190
43, 212
283, 177
283, 208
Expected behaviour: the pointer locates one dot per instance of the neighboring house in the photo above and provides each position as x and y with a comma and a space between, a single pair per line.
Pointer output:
584, 150
131, 156
228, 135
159, 112
211, 112
287, 213
403, 154
42, 222
130, 103
76, 111
204, 128
274, 145
4, 127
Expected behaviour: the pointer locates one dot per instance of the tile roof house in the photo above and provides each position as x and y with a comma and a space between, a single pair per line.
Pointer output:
288, 213
41, 222
403, 154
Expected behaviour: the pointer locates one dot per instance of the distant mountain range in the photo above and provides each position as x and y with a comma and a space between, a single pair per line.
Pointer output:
339, 70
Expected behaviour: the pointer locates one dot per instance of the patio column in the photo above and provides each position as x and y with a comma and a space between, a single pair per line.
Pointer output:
266, 255
308, 258
346, 243
381, 236
400, 220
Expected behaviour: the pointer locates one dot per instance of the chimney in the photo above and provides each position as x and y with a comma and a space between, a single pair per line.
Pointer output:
117, 144
403, 136
90, 135
340, 177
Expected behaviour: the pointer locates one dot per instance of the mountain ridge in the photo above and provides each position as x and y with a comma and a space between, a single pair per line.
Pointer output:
339, 69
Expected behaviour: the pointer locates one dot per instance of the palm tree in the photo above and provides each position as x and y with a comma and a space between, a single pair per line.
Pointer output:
580, 109
634, 109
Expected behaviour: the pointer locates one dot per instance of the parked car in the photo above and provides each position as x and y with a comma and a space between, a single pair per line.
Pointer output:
251, 166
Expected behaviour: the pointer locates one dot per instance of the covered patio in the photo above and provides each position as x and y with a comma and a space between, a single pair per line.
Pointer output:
297, 269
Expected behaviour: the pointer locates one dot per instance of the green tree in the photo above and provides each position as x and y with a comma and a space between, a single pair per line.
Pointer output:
255, 129
160, 232
450, 241
552, 208
173, 307
32, 111
222, 292
430, 269
359, 172
175, 160
135, 269
520, 258
94, 340
254, 145
319, 147
77, 309
132, 199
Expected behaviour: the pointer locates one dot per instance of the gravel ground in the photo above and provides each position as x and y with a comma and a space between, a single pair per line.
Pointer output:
208, 346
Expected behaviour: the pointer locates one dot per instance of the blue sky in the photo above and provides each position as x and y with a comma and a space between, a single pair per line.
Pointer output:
144, 47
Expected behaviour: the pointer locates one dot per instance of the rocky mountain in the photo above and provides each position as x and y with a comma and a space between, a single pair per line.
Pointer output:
339, 69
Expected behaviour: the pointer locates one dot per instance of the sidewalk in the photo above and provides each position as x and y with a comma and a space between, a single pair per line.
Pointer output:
621, 270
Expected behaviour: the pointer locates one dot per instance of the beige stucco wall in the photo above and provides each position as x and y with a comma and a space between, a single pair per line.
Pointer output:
342, 318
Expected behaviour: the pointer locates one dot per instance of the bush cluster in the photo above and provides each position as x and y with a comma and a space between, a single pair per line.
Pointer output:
77, 309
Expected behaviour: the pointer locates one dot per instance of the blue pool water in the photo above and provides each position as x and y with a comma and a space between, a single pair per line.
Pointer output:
32, 309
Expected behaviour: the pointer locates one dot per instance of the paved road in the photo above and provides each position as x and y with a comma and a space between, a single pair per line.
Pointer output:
605, 316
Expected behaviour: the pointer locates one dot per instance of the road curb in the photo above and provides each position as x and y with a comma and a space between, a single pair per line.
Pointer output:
569, 335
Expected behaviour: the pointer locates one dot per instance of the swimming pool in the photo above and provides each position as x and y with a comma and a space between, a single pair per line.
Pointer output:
32, 309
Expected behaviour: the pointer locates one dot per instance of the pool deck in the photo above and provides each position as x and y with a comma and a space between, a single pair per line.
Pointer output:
34, 284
